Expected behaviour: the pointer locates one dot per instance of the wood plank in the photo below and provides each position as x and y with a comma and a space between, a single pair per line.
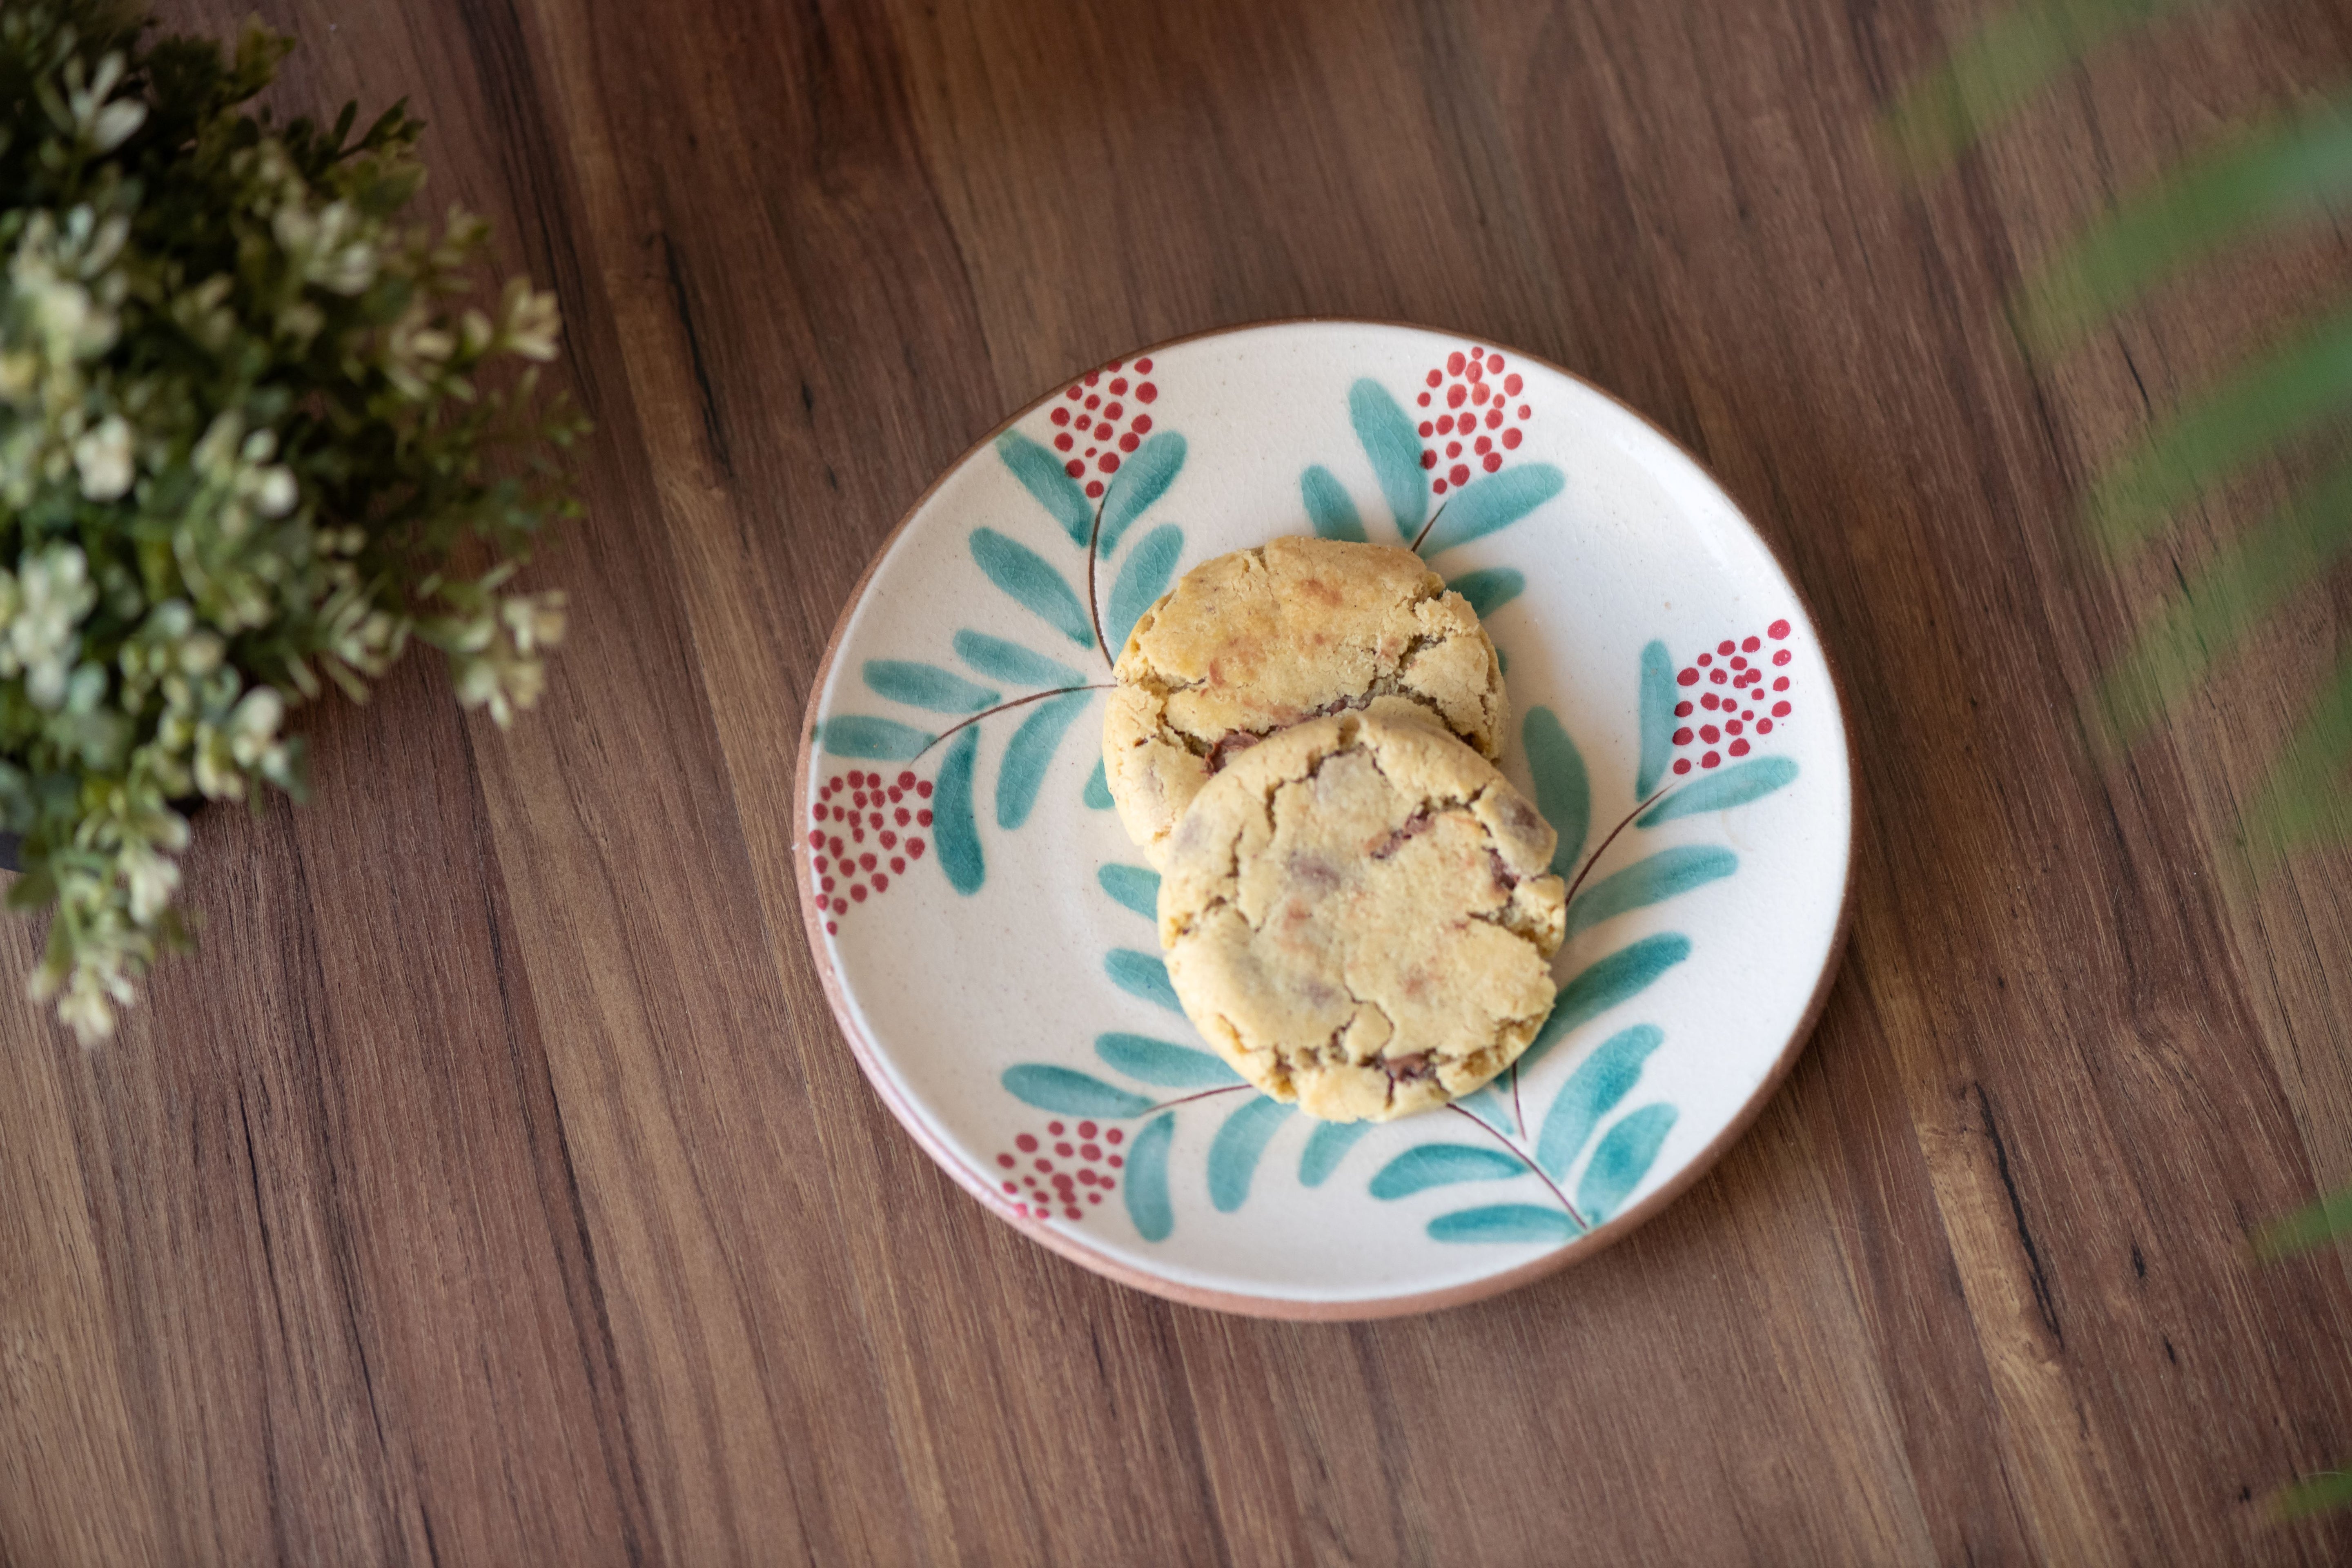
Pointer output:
495, 1186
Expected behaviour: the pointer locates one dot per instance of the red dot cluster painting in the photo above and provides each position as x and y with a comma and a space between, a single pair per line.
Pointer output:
1057, 1169
1470, 415
865, 830
1103, 415
1734, 693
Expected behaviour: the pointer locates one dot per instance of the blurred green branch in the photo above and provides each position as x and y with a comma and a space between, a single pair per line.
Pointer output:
2295, 170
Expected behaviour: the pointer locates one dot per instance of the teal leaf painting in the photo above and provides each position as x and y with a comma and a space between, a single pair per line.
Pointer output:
1504, 1221
1666, 875
1657, 718
1133, 886
1098, 795
857, 735
952, 827
1490, 589
1234, 1153
1033, 583
1147, 1179
1496, 500
1325, 1148
1621, 1161
1563, 791
1394, 448
1735, 786
1042, 475
927, 686
1592, 1092
1140, 974
1071, 1092
1013, 664
1164, 1064
1329, 508
1029, 753
1143, 478
1603, 984
1143, 579
1439, 1165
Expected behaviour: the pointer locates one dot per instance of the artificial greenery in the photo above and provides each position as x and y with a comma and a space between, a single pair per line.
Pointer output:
2297, 169
247, 447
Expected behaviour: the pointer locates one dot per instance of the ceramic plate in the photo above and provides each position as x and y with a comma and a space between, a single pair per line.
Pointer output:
985, 928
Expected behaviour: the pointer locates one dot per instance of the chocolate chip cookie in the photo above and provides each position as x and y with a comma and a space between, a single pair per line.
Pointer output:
1254, 641
1358, 916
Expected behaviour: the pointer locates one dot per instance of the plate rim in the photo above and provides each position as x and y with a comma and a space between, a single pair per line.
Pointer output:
1284, 1308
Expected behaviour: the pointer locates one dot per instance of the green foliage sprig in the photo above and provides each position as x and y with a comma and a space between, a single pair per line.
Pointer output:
247, 447
2295, 170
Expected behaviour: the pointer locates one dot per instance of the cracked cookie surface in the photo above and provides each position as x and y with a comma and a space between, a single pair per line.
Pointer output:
1257, 640
1358, 914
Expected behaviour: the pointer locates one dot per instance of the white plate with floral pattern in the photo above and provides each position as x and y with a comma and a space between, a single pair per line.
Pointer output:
984, 927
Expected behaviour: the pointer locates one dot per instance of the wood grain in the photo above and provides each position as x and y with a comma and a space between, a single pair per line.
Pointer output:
496, 1187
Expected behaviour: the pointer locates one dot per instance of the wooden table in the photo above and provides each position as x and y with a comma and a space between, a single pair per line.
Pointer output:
496, 1187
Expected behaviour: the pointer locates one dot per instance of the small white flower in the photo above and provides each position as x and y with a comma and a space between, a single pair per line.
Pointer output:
115, 124
528, 321
60, 311
83, 1009
275, 495
52, 593
150, 879
103, 456
253, 724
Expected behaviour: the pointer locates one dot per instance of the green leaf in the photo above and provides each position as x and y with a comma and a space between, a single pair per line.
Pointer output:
1735, 786
2297, 169
1394, 448
1440, 1164
2224, 602
927, 686
1592, 1092
1563, 792
1326, 1147
1133, 886
857, 735
1162, 1065
1233, 1154
1657, 718
2306, 1227
1504, 1221
1033, 585
2257, 408
1013, 664
1496, 500
1097, 793
1141, 974
1029, 753
1603, 984
1667, 874
1624, 1157
1141, 581
952, 827
1329, 508
2322, 1493
1041, 473
1490, 589
2306, 798
1996, 69
1071, 1092
1147, 1179
1141, 480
